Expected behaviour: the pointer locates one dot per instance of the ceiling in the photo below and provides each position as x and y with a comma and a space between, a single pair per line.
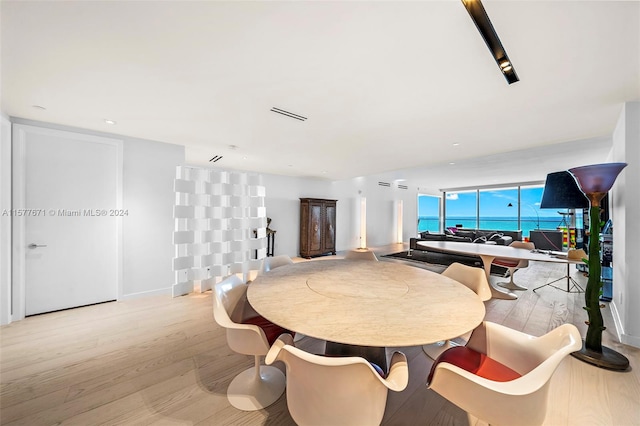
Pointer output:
403, 88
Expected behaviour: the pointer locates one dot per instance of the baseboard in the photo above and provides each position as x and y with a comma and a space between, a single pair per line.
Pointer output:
620, 334
631, 340
616, 321
158, 292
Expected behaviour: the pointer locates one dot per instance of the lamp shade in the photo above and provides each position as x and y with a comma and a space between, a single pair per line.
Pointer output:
597, 178
562, 192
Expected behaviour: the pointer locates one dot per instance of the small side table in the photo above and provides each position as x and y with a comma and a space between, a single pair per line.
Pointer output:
271, 241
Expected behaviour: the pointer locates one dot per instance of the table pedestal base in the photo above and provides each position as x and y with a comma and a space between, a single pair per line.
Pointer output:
372, 354
434, 350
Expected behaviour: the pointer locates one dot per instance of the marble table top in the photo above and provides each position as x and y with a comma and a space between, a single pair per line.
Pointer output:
496, 251
368, 303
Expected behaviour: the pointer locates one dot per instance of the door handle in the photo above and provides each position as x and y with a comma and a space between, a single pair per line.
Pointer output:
33, 246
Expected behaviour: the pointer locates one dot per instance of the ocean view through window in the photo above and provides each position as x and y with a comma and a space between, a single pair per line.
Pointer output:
428, 213
508, 209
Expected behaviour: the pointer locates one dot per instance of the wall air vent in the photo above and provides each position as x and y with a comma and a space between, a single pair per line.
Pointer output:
288, 114
215, 158
403, 187
387, 184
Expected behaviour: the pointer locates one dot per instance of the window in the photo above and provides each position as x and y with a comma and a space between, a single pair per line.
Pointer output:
531, 217
428, 213
460, 209
499, 209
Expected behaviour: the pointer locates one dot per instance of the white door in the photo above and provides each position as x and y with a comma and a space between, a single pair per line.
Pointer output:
71, 219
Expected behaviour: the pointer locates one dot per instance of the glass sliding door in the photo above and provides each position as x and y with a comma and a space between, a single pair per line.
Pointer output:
531, 217
498, 209
461, 209
428, 213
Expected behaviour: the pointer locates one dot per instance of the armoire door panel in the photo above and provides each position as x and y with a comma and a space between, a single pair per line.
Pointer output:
316, 228
330, 228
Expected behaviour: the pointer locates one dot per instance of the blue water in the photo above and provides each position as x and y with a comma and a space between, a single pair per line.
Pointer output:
432, 223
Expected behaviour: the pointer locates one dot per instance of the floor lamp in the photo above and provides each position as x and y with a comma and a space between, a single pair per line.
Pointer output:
595, 181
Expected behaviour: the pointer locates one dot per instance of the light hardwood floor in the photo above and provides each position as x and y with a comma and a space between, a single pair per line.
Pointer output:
164, 361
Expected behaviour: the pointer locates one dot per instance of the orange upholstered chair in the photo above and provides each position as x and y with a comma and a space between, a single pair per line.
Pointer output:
514, 264
502, 376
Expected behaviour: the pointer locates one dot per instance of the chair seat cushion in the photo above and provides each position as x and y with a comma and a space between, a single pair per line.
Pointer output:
271, 330
507, 263
476, 363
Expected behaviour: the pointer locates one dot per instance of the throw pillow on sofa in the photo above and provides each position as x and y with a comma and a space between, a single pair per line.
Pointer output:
466, 234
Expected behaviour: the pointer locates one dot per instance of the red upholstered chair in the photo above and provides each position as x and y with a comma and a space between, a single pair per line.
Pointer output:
502, 376
336, 390
249, 334
514, 264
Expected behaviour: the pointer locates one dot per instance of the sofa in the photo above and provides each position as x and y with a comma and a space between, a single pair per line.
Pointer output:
478, 236
471, 236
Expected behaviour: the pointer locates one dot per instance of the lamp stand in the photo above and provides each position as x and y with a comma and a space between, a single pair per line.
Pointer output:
606, 358
592, 351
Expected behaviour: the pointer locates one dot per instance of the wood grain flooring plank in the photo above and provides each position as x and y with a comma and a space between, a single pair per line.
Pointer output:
164, 361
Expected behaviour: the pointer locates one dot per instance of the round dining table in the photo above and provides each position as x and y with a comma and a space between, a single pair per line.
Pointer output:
371, 304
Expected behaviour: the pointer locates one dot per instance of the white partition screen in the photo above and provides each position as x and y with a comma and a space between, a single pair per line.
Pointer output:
220, 226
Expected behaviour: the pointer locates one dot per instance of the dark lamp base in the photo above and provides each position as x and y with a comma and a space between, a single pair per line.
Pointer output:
608, 358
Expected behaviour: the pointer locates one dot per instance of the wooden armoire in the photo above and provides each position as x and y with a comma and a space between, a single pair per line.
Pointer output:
317, 227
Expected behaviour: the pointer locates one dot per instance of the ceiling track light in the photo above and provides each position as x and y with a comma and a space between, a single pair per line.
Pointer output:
483, 24
288, 114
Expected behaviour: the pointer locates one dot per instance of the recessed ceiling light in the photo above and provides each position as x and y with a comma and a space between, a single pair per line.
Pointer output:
456, 144
452, 163
505, 66
245, 157
106, 120
39, 107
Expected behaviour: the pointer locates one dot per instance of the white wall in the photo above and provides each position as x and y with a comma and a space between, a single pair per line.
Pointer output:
282, 203
5, 220
625, 202
283, 207
148, 173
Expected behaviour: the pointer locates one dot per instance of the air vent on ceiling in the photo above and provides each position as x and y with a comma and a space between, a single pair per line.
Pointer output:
387, 184
288, 114
215, 158
403, 187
